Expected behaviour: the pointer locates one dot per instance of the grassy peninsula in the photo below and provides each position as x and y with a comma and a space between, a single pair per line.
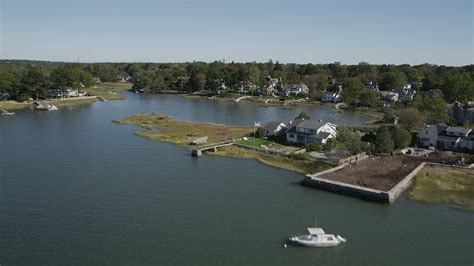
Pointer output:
164, 128
444, 185
104, 90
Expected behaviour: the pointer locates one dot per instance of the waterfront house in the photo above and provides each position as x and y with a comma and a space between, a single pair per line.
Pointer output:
272, 81
244, 87
444, 137
123, 78
332, 96
406, 94
71, 93
55, 93
462, 113
373, 86
294, 89
389, 96
308, 131
274, 128
4, 96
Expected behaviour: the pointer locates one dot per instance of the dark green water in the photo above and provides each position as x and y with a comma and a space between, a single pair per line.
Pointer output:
76, 189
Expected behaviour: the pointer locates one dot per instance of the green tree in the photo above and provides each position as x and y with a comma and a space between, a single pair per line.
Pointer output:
410, 118
383, 140
435, 109
393, 80
35, 83
371, 98
351, 140
352, 89
401, 137
260, 132
303, 115
65, 77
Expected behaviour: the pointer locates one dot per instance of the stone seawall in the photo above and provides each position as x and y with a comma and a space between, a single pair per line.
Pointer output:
399, 188
347, 189
369, 194
269, 151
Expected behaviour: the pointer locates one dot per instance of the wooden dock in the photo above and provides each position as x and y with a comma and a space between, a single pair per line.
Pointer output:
197, 152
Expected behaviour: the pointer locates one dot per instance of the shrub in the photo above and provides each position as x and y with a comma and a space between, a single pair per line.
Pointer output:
299, 156
313, 147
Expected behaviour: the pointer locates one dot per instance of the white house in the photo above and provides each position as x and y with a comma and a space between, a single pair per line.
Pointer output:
389, 96
295, 89
308, 131
332, 96
274, 128
444, 137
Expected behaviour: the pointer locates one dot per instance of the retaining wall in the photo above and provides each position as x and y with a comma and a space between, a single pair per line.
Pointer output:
347, 189
314, 180
269, 151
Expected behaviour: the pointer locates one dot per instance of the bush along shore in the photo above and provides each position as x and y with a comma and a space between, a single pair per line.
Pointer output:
164, 128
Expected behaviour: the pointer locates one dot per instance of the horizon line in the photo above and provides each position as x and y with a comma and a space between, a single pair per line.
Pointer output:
224, 61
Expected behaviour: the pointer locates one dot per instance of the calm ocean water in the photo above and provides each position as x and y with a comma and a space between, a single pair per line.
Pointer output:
76, 189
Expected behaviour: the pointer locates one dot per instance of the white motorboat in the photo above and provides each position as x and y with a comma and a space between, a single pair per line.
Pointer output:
318, 238
47, 107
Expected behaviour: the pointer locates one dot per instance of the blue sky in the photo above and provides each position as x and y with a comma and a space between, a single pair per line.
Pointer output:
380, 32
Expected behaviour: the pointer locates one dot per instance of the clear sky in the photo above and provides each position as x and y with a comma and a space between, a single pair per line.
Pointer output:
299, 31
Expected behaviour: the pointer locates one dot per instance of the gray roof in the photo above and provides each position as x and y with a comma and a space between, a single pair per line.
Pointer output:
441, 127
323, 135
448, 138
311, 124
272, 125
294, 124
461, 130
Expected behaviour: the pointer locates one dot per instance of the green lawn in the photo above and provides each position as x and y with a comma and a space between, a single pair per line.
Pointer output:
106, 90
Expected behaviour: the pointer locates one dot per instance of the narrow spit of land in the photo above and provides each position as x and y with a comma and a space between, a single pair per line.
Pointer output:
104, 90
164, 128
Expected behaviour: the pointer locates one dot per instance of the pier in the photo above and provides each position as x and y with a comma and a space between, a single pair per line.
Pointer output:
197, 152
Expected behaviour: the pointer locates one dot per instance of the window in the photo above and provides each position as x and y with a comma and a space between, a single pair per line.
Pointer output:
291, 136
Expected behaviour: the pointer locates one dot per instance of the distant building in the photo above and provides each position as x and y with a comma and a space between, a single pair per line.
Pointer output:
71, 93
244, 87
274, 128
389, 96
444, 137
270, 89
308, 131
463, 114
57, 93
4, 96
123, 78
406, 94
295, 89
373, 86
332, 96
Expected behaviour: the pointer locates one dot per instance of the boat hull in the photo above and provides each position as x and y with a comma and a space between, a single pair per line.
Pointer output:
317, 241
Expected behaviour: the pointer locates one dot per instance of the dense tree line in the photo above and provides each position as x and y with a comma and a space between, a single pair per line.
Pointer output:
31, 78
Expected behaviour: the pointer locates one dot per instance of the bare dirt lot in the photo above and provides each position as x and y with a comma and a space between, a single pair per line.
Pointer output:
383, 172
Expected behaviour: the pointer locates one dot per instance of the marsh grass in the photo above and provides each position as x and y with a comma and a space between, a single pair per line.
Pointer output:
105, 90
443, 185
164, 128
299, 166
12, 105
